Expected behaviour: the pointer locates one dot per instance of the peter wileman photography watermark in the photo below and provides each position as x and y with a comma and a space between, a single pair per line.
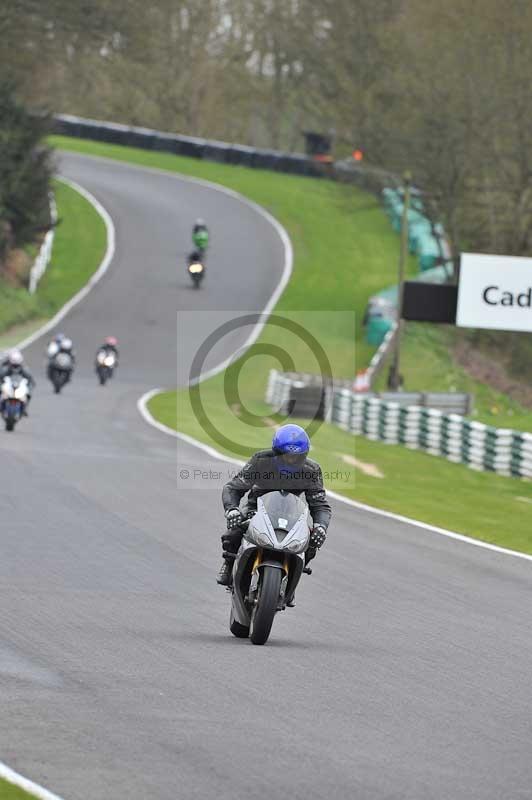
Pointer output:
248, 373
199, 474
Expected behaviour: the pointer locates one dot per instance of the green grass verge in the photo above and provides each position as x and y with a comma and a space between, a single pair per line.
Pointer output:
79, 246
10, 792
344, 252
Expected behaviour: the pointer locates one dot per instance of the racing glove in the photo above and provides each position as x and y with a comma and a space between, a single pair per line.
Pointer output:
317, 537
234, 518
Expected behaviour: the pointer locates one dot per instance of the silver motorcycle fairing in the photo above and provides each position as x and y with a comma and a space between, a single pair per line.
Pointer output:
14, 393
247, 553
296, 527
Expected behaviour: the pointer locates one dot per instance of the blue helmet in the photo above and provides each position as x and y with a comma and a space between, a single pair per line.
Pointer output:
292, 444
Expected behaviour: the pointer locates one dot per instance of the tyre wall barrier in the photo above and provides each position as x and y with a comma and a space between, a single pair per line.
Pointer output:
406, 418
194, 147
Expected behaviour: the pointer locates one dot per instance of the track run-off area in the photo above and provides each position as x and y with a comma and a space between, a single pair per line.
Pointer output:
403, 672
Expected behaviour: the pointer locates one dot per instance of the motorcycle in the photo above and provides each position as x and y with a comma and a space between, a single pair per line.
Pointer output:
269, 564
105, 364
196, 269
13, 399
60, 370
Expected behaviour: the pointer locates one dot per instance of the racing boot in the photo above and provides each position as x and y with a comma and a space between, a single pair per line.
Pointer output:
224, 574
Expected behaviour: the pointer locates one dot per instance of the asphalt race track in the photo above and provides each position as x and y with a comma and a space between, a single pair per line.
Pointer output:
404, 671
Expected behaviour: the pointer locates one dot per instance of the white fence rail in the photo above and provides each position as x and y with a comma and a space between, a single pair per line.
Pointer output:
45, 253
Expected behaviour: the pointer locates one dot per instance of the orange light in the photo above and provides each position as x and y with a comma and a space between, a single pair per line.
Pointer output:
358, 155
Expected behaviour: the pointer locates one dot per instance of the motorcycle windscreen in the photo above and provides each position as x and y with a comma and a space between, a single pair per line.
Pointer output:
284, 510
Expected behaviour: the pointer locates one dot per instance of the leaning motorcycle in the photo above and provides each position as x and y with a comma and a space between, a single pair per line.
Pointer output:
105, 364
269, 564
13, 399
196, 270
60, 370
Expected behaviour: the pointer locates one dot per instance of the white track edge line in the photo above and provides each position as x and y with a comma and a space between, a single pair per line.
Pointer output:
95, 277
142, 405
24, 783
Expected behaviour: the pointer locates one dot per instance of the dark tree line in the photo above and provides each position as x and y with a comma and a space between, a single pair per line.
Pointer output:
25, 171
443, 89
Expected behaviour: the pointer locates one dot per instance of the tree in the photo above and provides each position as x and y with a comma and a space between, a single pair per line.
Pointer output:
25, 172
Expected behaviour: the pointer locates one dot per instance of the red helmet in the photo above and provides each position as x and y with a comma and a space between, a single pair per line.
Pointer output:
112, 340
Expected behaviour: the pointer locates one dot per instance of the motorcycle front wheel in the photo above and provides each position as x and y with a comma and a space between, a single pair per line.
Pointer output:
266, 606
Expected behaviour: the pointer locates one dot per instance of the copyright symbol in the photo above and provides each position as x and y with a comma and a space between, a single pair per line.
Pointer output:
280, 351
184, 474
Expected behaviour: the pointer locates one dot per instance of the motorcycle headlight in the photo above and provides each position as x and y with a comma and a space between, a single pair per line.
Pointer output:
195, 268
258, 538
297, 546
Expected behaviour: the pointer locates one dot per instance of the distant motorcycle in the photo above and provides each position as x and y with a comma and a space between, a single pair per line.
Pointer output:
105, 365
13, 399
196, 269
60, 370
269, 564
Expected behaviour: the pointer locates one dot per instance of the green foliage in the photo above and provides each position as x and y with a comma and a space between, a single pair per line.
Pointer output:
79, 246
25, 171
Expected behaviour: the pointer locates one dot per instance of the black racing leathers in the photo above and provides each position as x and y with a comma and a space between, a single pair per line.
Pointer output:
264, 473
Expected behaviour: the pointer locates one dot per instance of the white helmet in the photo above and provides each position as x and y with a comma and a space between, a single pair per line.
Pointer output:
15, 358
65, 343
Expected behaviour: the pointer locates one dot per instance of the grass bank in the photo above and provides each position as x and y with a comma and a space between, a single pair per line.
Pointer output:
10, 792
79, 246
427, 363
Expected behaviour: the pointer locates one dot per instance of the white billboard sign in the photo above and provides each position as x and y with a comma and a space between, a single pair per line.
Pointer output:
495, 292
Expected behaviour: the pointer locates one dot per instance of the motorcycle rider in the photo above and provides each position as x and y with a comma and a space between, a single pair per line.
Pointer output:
110, 345
14, 365
285, 467
59, 344
53, 348
200, 235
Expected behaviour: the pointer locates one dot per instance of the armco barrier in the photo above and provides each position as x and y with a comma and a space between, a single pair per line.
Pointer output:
194, 147
399, 419
45, 253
